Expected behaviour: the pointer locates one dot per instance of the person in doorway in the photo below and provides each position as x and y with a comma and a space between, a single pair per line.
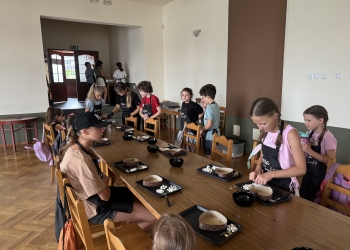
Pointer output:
94, 100
128, 101
190, 111
119, 75
101, 78
150, 105
89, 74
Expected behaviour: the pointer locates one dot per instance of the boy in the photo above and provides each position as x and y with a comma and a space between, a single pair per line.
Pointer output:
211, 117
150, 105
90, 75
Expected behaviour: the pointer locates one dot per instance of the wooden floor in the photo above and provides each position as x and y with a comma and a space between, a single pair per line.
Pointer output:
27, 200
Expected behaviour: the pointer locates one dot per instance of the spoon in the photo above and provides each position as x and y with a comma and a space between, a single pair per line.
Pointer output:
282, 197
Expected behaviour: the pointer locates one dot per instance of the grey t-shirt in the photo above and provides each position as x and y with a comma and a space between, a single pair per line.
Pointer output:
89, 72
90, 104
212, 113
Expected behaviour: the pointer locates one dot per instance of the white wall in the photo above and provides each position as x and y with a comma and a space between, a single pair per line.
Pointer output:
191, 61
317, 41
21, 48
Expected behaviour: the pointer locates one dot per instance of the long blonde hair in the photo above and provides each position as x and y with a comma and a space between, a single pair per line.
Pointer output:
121, 86
172, 232
93, 89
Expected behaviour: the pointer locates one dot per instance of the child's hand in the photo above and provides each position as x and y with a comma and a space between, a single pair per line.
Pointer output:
306, 147
262, 179
145, 117
252, 176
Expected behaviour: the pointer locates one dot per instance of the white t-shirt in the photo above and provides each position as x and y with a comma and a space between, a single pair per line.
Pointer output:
119, 75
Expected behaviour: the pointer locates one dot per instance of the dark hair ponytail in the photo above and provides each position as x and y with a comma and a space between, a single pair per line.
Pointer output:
51, 114
265, 106
120, 66
318, 112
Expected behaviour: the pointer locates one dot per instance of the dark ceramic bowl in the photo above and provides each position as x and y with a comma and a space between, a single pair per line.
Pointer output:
127, 137
152, 149
152, 140
302, 248
128, 133
243, 198
176, 162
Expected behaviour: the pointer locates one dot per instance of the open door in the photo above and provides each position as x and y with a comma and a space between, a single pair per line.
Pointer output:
81, 57
57, 76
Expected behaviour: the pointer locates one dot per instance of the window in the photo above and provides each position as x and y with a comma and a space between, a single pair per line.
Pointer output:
82, 59
57, 68
69, 65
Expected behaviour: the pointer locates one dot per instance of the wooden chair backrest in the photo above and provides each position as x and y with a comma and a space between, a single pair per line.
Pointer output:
255, 158
131, 119
343, 169
197, 128
114, 243
225, 142
222, 120
49, 135
155, 127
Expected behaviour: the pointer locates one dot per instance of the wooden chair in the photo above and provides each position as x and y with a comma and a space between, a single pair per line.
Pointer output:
128, 237
343, 169
50, 139
196, 137
225, 142
131, 119
255, 158
222, 120
155, 128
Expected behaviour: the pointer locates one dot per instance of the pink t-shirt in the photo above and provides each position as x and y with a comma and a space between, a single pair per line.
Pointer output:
328, 141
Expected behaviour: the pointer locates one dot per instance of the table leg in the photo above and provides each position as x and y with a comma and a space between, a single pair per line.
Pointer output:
173, 122
36, 130
13, 138
26, 133
3, 137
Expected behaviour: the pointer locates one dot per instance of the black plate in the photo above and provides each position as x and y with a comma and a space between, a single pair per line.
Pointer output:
120, 165
191, 215
276, 194
104, 143
165, 152
124, 127
236, 174
153, 189
141, 140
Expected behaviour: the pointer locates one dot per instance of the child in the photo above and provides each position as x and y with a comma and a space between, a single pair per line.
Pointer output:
190, 111
172, 232
282, 157
90, 75
119, 75
101, 78
150, 106
54, 117
129, 101
321, 149
94, 100
80, 165
211, 117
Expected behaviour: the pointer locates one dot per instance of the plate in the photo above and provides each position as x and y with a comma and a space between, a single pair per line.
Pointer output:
167, 153
276, 194
124, 128
140, 138
166, 182
101, 143
235, 175
120, 165
191, 215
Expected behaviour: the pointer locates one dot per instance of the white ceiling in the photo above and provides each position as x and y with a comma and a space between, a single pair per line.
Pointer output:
152, 2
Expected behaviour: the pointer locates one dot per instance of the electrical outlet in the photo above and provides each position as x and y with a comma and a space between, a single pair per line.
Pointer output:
256, 134
236, 130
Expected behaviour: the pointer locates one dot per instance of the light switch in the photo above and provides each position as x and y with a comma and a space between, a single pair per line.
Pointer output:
256, 134
316, 76
324, 76
309, 76
236, 130
339, 75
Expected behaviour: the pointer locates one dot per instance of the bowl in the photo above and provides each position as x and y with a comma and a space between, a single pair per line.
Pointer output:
152, 140
129, 133
131, 162
243, 198
152, 181
212, 221
224, 172
127, 137
152, 149
302, 248
176, 162
262, 192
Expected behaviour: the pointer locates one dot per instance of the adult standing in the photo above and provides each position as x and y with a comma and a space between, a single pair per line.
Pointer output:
119, 74
90, 75
101, 78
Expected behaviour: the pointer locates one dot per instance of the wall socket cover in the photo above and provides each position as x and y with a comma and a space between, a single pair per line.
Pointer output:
236, 130
339, 75
316, 76
256, 134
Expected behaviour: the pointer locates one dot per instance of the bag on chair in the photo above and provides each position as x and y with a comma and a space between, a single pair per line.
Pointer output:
179, 137
41, 150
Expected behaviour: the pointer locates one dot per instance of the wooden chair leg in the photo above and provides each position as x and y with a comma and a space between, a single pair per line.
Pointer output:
53, 173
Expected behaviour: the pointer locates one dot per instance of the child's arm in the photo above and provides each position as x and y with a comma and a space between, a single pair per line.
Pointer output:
137, 110
200, 116
299, 159
159, 112
207, 125
330, 154
88, 106
258, 168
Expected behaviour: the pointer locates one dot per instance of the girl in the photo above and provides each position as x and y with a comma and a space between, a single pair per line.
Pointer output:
94, 100
129, 101
172, 232
119, 75
321, 149
80, 165
101, 78
150, 106
54, 117
282, 158
190, 111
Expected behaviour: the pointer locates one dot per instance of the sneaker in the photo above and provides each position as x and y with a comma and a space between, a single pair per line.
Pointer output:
107, 104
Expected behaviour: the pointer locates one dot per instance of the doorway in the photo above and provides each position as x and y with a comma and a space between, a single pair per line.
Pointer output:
67, 73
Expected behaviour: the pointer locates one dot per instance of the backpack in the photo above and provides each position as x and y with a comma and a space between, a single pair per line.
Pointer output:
58, 144
41, 150
335, 195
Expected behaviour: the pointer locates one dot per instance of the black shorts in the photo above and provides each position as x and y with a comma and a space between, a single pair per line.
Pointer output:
102, 214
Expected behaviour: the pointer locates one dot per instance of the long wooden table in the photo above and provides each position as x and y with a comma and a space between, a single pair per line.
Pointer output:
281, 226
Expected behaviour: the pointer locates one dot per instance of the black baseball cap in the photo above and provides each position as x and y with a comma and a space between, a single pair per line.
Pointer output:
88, 119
